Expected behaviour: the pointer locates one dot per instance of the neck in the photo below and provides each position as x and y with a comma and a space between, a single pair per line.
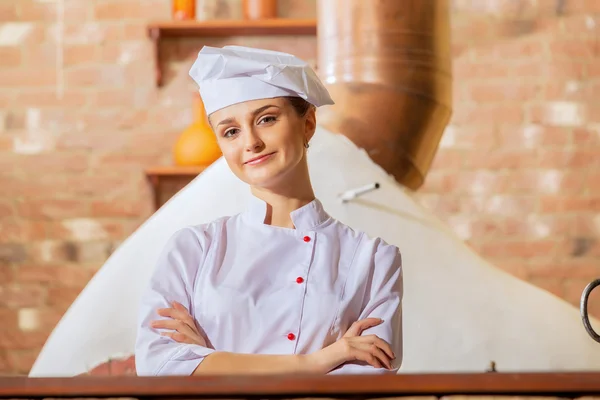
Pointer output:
291, 194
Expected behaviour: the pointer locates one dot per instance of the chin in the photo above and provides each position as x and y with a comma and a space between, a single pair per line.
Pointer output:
264, 178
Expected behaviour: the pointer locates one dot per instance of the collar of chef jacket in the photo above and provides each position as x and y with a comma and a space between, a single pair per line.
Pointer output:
307, 217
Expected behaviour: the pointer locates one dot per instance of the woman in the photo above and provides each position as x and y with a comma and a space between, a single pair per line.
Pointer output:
281, 287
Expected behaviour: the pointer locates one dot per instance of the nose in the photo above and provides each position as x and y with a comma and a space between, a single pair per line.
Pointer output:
253, 142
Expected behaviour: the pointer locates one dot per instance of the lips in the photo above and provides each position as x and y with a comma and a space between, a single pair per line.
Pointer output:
259, 159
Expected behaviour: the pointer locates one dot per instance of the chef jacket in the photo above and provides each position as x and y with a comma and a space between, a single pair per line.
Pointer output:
262, 289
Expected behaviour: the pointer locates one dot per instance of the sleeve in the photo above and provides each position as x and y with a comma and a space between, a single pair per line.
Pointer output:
383, 299
172, 280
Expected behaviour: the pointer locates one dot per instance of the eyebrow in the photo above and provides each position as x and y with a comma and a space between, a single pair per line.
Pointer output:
254, 113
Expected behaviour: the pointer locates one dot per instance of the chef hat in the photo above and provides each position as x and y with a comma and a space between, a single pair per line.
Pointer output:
234, 74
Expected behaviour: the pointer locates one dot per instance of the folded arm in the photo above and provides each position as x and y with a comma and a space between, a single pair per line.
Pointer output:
383, 299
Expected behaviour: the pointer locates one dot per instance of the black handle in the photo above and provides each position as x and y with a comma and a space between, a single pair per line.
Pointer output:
584, 312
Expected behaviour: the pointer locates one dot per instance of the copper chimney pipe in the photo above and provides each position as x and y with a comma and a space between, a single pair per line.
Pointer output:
387, 65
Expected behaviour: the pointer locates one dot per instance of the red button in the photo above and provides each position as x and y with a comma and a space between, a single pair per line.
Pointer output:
291, 336
299, 279
307, 239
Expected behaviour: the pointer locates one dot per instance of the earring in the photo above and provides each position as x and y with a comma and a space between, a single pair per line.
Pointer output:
306, 145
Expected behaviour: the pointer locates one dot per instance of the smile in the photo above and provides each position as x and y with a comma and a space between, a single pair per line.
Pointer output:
259, 160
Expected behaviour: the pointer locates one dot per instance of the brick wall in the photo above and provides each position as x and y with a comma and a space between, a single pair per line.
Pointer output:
517, 175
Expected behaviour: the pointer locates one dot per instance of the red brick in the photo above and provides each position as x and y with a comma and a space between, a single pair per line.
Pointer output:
520, 249
113, 98
501, 159
439, 181
21, 361
62, 297
531, 47
8, 11
568, 159
492, 114
593, 69
81, 54
6, 209
12, 253
552, 285
586, 137
581, 204
448, 159
53, 208
466, 70
32, 10
50, 98
10, 57
16, 339
95, 75
127, 52
593, 182
6, 274
52, 251
93, 139
135, 30
571, 48
122, 207
561, 69
64, 275
544, 181
8, 316
533, 136
480, 137
22, 296
525, 69
537, 226
479, 182
56, 163
31, 78
584, 24
131, 9
567, 269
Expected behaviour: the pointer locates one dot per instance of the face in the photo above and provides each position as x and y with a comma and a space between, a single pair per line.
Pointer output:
263, 140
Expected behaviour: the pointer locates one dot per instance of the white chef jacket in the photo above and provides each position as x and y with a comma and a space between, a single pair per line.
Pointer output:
262, 289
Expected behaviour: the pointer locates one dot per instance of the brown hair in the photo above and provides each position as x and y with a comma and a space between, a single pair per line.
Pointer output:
300, 105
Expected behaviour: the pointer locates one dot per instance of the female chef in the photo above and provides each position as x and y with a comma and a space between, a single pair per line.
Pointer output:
281, 287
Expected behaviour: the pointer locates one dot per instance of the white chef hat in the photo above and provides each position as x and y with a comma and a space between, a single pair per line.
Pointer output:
234, 74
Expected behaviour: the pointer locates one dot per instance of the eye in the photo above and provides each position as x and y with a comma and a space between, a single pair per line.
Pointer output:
230, 132
267, 119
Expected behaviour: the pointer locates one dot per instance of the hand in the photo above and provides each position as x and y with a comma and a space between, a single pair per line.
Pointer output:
181, 322
354, 347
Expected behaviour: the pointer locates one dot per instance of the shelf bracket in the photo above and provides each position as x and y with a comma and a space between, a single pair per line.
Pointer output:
154, 34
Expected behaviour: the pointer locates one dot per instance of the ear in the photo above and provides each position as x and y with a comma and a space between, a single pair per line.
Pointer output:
310, 124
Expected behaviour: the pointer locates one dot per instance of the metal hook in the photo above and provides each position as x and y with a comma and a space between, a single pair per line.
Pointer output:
354, 193
584, 311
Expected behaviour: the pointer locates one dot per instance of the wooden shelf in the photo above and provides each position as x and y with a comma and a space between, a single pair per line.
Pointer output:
170, 174
266, 27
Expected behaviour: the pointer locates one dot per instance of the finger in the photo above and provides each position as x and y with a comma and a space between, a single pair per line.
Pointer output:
174, 325
375, 351
180, 307
359, 326
178, 337
385, 346
177, 314
363, 355
379, 342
